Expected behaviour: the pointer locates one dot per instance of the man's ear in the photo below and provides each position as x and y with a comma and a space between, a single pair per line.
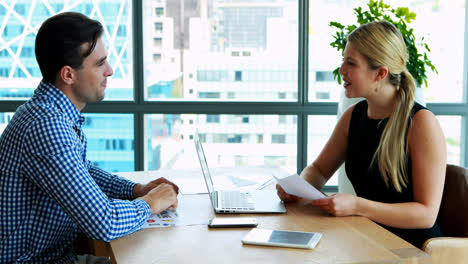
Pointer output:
382, 73
67, 74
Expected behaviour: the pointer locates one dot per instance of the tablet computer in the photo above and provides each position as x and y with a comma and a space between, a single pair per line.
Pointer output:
282, 238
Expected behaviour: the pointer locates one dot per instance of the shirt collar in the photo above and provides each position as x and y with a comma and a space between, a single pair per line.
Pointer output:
61, 101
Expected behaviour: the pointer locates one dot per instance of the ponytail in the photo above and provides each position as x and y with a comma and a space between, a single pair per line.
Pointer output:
392, 150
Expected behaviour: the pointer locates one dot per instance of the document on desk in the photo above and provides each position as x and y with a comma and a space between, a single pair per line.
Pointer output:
296, 185
164, 219
187, 216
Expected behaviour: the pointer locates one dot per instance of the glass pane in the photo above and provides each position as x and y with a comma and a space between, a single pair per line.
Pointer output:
323, 59
110, 141
320, 129
4, 120
451, 126
241, 141
20, 20
447, 86
221, 50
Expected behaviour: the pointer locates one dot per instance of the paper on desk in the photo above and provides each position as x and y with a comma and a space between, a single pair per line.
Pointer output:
164, 219
296, 185
185, 217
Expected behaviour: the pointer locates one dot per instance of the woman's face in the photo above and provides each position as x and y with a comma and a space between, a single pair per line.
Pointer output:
359, 79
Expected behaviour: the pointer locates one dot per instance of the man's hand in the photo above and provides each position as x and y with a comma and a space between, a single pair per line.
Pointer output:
284, 196
140, 190
162, 197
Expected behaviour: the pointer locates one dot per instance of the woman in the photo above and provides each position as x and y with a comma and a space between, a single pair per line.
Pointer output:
393, 148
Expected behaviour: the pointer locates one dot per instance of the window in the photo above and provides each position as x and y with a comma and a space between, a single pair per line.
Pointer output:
157, 57
157, 42
5, 31
88, 9
21, 34
238, 75
212, 118
234, 139
209, 95
107, 135
324, 76
159, 11
282, 119
222, 135
278, 139
20, 9
158, 27
234, 73
27, 52
221, 42
4, 72
319, 131
122, 31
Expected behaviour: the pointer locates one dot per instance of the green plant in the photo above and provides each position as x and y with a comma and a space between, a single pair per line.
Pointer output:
400, 17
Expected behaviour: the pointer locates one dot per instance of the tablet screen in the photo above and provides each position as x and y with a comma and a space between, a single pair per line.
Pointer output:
290, 237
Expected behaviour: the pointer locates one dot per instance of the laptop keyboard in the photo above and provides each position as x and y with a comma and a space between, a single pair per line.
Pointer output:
236, 200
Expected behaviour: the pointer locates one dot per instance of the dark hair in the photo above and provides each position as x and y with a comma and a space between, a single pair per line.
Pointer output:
59, 40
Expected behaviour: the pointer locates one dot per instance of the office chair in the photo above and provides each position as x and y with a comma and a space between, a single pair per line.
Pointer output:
84, 245
453, 220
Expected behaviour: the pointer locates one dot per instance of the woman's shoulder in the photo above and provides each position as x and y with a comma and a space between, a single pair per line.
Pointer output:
420, 113
423, 122
416, 108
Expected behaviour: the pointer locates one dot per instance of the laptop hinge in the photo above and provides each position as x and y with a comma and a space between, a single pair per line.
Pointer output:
215, 198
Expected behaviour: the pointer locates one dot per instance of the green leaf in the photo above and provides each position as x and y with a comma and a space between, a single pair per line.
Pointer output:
410, 16
336, 24
350, 28
337, 75
402, 11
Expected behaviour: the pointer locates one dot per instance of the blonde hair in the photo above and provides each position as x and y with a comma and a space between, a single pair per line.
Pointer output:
382, 44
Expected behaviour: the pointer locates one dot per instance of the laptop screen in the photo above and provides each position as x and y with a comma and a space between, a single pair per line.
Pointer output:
204, 166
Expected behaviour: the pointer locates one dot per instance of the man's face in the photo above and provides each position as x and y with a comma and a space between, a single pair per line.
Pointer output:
91, 79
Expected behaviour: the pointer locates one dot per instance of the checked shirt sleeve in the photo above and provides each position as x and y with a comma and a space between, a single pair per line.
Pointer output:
112, 185
54, 160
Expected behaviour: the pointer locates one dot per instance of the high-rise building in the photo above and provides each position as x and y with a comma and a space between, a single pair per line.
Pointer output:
20, 74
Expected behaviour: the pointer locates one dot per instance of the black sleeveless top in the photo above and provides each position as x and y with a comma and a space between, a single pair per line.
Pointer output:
363, 139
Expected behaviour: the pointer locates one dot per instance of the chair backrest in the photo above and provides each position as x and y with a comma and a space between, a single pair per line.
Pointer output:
453, 213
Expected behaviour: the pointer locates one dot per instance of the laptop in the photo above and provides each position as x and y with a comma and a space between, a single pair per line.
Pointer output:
235, 201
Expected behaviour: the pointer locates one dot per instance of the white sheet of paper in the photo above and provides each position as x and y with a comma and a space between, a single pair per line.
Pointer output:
296, 185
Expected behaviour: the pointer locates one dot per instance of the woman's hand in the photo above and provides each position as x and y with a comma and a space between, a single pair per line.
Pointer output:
339, 204
285, 197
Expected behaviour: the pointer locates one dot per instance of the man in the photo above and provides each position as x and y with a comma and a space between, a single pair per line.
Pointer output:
48, 190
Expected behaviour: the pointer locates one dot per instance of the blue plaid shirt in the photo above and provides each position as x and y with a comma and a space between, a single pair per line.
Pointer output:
49, 191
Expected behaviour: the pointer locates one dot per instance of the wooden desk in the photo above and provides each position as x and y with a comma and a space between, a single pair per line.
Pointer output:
345, 239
